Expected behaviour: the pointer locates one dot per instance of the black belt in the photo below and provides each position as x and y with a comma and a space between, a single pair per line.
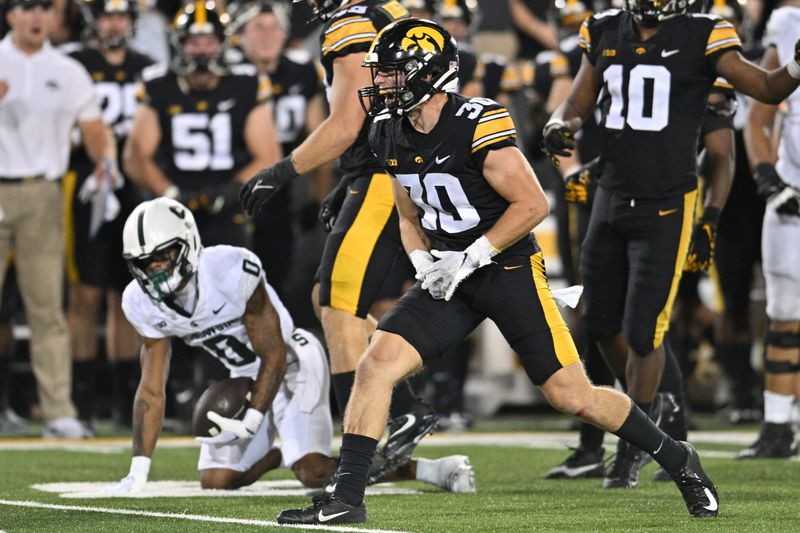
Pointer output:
36, 177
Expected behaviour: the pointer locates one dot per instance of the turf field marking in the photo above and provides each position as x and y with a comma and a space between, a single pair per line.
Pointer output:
192, 489
177, 516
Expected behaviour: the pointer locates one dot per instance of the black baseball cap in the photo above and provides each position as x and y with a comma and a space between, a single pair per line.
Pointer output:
30, 4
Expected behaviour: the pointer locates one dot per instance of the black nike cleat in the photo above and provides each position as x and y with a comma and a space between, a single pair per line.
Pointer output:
624, 470
697, 489
326, 510
583, 463
776, 441
405, 432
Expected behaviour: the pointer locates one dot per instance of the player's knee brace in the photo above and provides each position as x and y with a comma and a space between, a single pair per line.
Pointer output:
783, 340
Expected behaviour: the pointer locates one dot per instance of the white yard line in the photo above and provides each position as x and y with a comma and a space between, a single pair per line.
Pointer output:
192, 517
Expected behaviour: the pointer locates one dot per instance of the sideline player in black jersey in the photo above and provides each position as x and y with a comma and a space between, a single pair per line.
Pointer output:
459, 17
94, 263
298, 106
364, 245
202, 128
468, 201
652, 66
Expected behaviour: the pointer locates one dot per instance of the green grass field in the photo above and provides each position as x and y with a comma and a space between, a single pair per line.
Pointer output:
512, 496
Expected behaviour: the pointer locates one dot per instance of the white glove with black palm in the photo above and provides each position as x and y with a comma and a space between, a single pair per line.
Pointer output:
442, 277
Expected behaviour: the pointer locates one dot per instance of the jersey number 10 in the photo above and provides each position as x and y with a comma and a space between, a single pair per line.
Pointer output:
638, 118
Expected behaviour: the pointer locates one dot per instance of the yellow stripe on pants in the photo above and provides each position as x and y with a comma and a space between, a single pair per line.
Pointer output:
563, 344
70, 239
358, 244
662, 322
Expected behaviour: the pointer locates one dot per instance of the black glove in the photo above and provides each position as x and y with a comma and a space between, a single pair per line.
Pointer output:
780, 196
263, 186
557, 139
582, 183
701, 248
332, 203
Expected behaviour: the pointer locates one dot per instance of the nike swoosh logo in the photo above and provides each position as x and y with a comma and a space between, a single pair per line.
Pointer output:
410, 421
579, 469
352, 192
665, 53
712, 501
226, 105
513, 267
439, 160
665, 212
215, 311
259, 186
327, 518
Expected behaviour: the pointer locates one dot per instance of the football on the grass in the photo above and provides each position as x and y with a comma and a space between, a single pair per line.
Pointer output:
228, 398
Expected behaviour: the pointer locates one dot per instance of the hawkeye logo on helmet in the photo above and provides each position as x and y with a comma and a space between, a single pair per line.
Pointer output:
427, 39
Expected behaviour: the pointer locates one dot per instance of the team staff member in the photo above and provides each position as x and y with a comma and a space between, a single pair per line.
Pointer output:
642, 218
476, 258
43, 95
364, 245
202, 128
95, 267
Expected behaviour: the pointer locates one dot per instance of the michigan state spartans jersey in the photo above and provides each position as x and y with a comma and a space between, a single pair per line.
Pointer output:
443, 169
202, 132
227, 277
295, 82
351, 31
653, 97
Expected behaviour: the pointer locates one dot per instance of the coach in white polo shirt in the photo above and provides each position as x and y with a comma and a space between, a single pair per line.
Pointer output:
43, 95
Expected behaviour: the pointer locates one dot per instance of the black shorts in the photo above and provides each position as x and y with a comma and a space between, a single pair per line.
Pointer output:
363, 248
631, 265
97, 262
513, 292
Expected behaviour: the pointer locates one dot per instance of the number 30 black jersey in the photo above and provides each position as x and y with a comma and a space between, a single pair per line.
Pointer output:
443, 169
653, 97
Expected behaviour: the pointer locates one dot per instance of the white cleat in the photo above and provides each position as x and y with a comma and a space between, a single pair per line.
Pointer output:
455, 474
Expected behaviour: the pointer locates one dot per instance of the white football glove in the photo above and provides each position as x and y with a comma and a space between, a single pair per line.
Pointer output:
442, 278
233, 430
135, 480
421, 260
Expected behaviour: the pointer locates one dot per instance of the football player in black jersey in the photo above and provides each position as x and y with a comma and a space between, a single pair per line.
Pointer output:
201, 127
468, 201
298, 106
652, 66
94, 265
364, 245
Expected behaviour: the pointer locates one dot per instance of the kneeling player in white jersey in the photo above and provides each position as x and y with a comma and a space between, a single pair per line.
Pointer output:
217, 298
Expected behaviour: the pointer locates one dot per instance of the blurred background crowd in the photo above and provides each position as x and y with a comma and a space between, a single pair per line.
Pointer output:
522, 53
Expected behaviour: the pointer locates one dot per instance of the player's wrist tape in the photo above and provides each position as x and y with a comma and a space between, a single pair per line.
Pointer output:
172, 192
252, 419
140, 466
793, 69
711, 215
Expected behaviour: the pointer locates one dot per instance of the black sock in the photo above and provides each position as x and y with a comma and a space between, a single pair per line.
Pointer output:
640, 431
355, 459
672, 382
403, 399
342, 385
125, 376
83, 387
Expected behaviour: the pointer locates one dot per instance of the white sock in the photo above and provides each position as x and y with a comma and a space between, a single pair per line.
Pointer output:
427, 470
777, 407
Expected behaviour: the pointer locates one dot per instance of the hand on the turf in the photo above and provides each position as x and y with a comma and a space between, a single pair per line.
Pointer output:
232, 429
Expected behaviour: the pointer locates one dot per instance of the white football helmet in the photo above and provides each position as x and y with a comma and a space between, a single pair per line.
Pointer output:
153, 228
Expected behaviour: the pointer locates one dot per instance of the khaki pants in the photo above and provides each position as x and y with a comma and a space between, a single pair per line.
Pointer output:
31, 224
